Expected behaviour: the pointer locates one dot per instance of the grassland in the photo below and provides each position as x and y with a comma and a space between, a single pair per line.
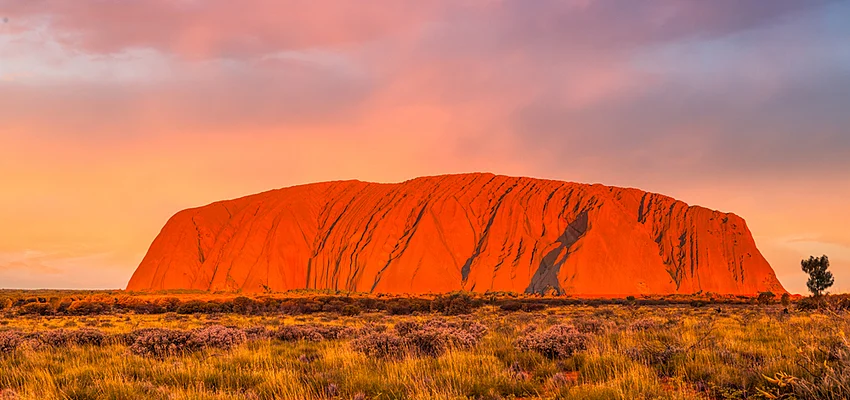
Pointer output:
619, 350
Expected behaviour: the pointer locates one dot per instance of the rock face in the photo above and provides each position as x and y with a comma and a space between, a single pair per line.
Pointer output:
478, 232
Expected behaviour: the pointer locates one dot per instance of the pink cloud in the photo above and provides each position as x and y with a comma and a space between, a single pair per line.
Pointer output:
221, 28
218, 28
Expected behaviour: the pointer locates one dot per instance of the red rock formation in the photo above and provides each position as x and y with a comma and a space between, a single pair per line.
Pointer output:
477, 232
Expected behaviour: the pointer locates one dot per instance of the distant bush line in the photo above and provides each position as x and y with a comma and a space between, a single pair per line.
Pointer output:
458, 303
432, 338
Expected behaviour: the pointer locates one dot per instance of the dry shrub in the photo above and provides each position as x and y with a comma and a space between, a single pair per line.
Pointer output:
78, 337
217, 337
163, 305
350, 310
370, 328
405, 327
191, 307
9, 341
291, 333
453, 304
313, 333
300, 306
36, 309
435, 336
332, 390
380, 345
512, 306
833, 379
245, 305
604, 313
559, 341
657, 352
88, 307
309, 357
86, 337
174, 317
826, 378
426, 342
257, 333
54, 338
160, 342
130, 337
517, 373
334, 305
333, 332
399, 307
463, 334
645, 324
562, 379
832, 302
593, 325
8, 394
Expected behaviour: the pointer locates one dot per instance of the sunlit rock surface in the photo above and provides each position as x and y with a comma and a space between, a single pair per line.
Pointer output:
478, 232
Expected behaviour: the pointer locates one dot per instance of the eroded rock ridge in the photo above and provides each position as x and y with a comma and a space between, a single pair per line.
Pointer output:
478, 232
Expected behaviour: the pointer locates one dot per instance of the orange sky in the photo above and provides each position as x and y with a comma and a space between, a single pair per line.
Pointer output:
113, 116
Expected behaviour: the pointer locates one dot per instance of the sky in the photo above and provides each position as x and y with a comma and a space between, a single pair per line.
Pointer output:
115, 114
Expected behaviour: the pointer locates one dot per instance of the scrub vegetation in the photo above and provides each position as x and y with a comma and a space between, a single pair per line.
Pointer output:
308, 345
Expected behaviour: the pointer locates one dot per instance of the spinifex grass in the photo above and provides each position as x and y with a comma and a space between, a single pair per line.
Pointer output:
626, 352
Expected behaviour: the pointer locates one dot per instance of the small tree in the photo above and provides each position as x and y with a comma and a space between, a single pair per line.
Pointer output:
820, 278
786, 300
766, 298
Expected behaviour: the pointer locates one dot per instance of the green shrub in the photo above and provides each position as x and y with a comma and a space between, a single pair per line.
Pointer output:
350, 310
35, 309
399, 307
766, 298
87, 307
785, 300
453, 304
